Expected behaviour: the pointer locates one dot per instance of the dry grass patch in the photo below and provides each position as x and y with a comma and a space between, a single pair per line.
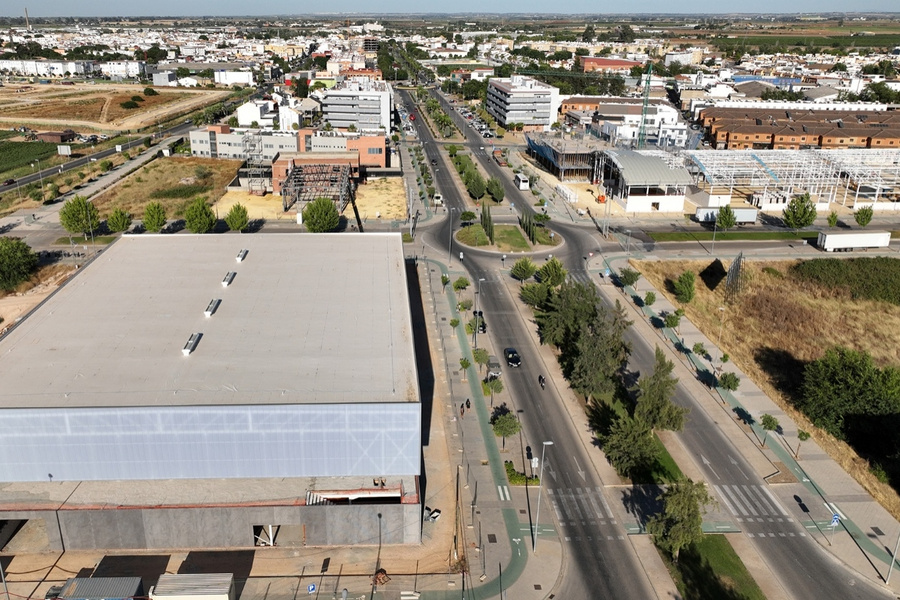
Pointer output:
385, 196
98, 105
134, 192
777, 325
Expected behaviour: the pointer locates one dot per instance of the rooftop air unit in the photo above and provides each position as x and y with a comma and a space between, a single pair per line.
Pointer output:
191, 344
213, 305
228, 278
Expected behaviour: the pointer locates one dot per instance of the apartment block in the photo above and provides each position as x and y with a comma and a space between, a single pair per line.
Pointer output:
519, 99
365, 105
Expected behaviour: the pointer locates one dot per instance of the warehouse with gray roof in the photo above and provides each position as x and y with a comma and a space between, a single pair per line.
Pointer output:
213, 390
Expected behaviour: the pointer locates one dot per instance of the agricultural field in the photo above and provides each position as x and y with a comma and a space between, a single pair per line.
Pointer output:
786, 317
173, 182
48, 107
16, 155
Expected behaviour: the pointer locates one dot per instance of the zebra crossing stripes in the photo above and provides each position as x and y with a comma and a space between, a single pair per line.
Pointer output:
580, 506
503, 490
751, 502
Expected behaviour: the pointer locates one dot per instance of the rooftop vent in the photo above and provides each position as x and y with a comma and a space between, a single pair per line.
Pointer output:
191, 344
228, 278
241, 255
213, 305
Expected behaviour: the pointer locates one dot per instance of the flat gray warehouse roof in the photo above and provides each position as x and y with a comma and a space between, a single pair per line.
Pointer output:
307, 319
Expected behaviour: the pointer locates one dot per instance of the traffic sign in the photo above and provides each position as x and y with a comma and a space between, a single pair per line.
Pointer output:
534, 462
835, 519
311, 588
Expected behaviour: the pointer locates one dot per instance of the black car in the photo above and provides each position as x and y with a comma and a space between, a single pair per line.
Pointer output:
480, 323
512, 357
9, 182
433, 161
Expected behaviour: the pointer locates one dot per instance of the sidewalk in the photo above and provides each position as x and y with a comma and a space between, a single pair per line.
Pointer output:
866, 533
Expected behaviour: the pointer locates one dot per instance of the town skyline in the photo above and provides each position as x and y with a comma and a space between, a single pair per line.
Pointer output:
232, 8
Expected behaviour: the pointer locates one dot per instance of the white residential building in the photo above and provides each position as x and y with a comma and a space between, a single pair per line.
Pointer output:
621, 123
366, 105
233, 77
261, 112
220, 141
519, 99
123, 68
47, 68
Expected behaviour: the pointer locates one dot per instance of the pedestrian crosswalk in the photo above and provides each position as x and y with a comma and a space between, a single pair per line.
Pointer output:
503, 490
580, 506
752, 504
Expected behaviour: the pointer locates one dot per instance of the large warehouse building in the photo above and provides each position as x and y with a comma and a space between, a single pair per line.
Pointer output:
217, 391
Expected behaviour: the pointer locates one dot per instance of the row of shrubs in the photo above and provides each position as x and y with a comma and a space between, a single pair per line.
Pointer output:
516, 478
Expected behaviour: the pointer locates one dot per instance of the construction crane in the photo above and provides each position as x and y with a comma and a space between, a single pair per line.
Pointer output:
642, 131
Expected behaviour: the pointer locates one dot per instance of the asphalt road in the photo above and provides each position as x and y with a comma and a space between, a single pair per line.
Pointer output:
83, 160
806, 570
600, 562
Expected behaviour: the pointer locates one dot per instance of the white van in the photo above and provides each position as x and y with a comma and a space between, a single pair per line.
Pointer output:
438, 200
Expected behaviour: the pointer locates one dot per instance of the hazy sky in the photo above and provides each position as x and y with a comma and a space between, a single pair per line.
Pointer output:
92, 8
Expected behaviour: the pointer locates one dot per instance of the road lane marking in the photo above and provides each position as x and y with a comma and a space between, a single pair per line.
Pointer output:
724, 499
736, 501
504, 492
775, 502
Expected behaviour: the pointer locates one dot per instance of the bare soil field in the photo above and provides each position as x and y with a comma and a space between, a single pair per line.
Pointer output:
134, 192
28, 295
98, 106
776, 325
385, 196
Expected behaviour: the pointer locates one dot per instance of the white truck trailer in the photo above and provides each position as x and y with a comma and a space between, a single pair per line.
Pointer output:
845, 241
743, 216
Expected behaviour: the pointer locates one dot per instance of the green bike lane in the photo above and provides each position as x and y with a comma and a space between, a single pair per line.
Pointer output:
862, 551
515, 529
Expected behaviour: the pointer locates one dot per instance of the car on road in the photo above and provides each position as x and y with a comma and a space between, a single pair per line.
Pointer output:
433, 161
493, 367
9, 182
512, 357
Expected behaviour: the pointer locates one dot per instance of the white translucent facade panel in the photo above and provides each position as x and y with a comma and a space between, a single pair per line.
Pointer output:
200, 442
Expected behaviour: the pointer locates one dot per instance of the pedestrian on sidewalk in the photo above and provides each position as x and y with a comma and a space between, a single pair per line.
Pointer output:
462, 410
468, 404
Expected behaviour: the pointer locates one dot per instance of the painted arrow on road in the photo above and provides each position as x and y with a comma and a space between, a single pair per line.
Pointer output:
708, 465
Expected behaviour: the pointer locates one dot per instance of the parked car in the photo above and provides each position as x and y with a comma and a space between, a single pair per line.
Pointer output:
512, 358
53, 593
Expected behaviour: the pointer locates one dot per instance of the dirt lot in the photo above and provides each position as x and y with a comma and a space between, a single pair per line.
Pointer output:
134, 192
97, 107
776, 322
29, 295
385, 197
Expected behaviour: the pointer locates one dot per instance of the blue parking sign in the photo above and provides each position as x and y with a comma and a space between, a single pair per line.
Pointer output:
311, 588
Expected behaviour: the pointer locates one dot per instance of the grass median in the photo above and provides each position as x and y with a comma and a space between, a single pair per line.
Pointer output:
710, 568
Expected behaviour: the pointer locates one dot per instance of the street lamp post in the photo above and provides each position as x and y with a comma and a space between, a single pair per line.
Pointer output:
540, 488
721, 327
475, 329
628, 243
40, 174
450, 237
715, 229
90, 223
